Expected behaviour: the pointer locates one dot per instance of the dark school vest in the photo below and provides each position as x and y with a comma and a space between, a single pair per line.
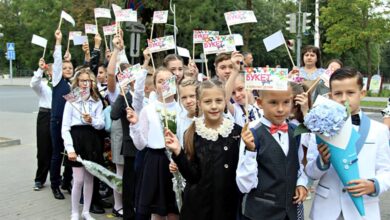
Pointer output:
277, 178
58, 101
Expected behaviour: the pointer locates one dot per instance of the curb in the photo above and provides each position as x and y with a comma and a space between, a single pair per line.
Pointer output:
372, 109
6, 142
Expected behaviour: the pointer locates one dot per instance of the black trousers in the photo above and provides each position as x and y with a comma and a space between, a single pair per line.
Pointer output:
128, 185
44, 146
57, 156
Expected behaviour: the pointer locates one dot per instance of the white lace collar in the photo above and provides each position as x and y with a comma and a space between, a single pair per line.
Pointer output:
212, 134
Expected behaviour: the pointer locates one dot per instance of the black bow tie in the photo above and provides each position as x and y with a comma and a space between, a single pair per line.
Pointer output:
355, 119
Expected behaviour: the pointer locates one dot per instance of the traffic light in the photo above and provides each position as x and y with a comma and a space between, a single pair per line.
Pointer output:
292, 23
306, 22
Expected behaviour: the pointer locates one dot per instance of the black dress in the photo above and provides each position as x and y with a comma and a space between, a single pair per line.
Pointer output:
211, 191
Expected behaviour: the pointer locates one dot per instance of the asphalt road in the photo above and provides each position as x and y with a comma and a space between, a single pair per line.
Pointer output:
18, 99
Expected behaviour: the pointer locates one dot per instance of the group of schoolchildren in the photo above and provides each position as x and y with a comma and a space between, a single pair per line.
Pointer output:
239, 161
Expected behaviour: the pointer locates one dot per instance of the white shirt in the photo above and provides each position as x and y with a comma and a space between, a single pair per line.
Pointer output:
239, 114
148, 132
41, 89
246, 174
183, 124
57, 65
73, 117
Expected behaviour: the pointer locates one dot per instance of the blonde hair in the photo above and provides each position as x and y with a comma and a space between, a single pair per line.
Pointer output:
93, 89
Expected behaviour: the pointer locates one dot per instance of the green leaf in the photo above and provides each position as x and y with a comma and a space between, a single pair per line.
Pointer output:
346, 104
300, 130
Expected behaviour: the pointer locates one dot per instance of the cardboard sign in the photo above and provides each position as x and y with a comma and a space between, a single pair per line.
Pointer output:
160, 17
326, 76
77, 93
169, 87
102, 13
161, 44
238, 41
128, 75
68, 18
109, 30
40, 41
200, 35
115, 8
263, 78
183, 52
126, 15
273, 41
240, 17
72, 34
90, 29
79, 40
219, 44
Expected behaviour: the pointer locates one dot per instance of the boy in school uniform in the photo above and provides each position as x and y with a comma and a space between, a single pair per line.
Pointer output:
269, 170
332, 200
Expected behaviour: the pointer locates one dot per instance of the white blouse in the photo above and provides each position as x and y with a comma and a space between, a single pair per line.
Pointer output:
73, 117
148, 132
183, 124
41, 89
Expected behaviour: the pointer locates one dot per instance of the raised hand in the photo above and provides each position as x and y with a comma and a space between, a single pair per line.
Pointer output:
98, 41
131, 115
85, 48
58, 36
67, 56
303, 101
248, 138
171, 142
118, 42
237, 59
42, 64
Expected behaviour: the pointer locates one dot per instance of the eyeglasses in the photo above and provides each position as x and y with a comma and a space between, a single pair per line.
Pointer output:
85, 81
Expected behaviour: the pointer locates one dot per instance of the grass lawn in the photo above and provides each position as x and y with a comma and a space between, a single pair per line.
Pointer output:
373, 104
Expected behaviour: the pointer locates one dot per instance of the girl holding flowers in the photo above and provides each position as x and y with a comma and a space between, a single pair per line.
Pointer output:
209, 159
155, 195
81, 121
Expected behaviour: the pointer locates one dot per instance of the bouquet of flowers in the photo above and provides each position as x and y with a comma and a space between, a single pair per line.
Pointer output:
105, 175
178, 181
332, 124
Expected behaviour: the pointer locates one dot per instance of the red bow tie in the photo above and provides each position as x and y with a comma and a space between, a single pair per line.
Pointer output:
275, 128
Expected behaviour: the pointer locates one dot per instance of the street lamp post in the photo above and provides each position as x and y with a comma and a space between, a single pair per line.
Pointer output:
1, 36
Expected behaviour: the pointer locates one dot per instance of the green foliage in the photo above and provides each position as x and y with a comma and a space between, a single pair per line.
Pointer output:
354, 26
301, 129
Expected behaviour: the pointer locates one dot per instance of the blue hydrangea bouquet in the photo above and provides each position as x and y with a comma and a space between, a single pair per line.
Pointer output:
332, 124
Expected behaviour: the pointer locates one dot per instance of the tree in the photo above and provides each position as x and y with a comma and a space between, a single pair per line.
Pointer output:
354, 26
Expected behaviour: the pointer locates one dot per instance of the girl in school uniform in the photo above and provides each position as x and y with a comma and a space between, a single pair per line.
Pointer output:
187, 95
155, 194
175, 64
235, 89
81, 121
209, 159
